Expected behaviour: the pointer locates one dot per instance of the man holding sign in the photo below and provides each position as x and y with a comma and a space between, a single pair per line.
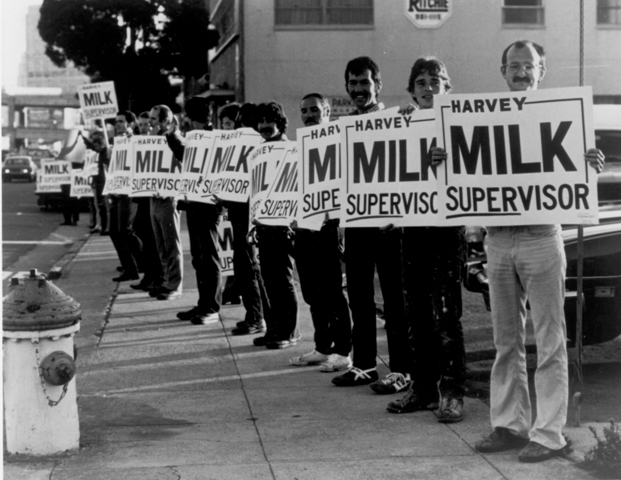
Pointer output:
318, 260
527, 263
368, 248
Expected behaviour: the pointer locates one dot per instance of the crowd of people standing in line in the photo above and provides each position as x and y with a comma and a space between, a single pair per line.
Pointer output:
422, 293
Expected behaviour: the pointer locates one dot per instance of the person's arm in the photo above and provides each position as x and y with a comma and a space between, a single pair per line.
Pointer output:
176, 143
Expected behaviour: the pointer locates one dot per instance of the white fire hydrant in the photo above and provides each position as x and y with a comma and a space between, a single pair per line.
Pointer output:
41, 411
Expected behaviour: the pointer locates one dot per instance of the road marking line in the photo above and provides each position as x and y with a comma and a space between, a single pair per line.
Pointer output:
33, 242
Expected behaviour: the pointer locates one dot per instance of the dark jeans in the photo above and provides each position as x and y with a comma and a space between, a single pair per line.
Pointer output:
248, 279
433, 259
151, 264
318, 260
71, 205
128, 246
366, 249
276, 258
165, 220
203, 229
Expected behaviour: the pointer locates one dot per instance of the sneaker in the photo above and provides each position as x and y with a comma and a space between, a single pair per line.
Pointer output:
336, 363
413, 402
535, 452
124, 277
261, 341
499, 440
189, 314
451, 410
308, 359
284, 343
155, 291
354, 377
206, 318
250, 328
169, 295
392, 383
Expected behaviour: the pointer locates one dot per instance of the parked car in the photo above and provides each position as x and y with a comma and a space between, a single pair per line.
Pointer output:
601, 279
19, 167
607, 121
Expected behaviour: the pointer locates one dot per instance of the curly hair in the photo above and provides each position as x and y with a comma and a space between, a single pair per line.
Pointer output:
272, 112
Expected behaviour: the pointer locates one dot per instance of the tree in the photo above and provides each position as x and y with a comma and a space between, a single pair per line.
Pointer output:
140, 44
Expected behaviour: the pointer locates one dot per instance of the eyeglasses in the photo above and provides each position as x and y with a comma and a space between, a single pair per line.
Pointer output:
516, 67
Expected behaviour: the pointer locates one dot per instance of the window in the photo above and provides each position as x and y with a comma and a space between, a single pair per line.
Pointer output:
522, 12
301, 13
609, 12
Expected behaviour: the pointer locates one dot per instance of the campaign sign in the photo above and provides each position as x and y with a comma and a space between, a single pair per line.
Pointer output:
155, 171
196, 158
98, 100
90, 164
119, 176
229, 170
225, 247
517, 158
45, 187
55, 172
319, 158
388, 178
80, 184
265, 165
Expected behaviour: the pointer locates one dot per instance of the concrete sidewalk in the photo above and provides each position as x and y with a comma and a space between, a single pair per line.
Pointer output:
164, 399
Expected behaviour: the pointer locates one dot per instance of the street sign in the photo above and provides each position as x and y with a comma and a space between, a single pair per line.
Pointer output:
428, 13
98, 100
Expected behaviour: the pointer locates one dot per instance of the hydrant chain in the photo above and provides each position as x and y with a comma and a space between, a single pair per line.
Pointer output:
50, 402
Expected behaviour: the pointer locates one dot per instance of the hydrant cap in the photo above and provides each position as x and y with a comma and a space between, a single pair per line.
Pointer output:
37, 304
58, 368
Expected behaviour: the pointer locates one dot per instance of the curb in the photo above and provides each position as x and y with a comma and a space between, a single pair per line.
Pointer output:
57, 270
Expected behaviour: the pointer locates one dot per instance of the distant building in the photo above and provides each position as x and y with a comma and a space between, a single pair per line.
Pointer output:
37, 70
282, 49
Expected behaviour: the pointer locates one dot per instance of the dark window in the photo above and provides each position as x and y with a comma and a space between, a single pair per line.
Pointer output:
302, 13
609, 12
523, 12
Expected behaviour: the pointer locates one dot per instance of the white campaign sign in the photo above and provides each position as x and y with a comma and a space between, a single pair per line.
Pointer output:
319, 158
387, 178
517, 158
196, 158
154, 168
225, 247
265, 165
55, 172
119, 176
45, 187
98, 100
229, 169
80, 184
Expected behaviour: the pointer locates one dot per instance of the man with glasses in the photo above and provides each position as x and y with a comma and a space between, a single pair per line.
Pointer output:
527, 263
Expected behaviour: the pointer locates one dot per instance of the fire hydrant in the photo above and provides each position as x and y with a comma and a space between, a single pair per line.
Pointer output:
41, 411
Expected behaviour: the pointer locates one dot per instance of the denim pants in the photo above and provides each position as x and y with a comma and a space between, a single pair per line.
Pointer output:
246, 269
528, 263
165, 220
318, 260
366, 249
276, 259
202, 220
127, 244
433, 261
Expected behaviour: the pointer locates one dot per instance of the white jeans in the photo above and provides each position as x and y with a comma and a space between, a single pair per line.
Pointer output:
528, 263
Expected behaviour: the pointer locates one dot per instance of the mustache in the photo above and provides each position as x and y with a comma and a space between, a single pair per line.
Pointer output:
518, 79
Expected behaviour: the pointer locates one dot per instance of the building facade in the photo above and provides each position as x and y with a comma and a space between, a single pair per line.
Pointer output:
37, 70
283, 49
